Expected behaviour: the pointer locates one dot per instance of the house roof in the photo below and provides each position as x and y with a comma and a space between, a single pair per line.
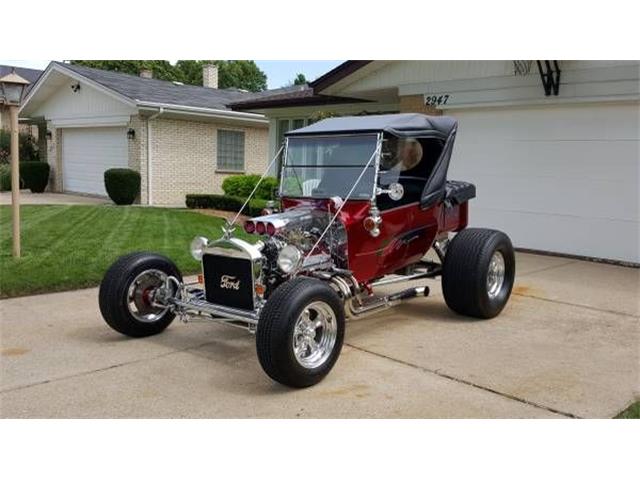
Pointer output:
144, 93
29, 74
338, 73
289, 97
306, 94
153, 90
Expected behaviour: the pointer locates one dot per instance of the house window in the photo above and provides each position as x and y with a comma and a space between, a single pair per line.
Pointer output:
230, 150
285, 125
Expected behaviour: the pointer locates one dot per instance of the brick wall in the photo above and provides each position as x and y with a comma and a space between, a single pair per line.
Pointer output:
54, 158
415, 104
184, 158
138, 153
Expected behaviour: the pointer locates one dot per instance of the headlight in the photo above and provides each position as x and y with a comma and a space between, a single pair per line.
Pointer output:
289, 258
198, 245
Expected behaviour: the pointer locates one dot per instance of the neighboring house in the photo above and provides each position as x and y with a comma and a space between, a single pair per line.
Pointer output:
181, 138
31, 75
558, 170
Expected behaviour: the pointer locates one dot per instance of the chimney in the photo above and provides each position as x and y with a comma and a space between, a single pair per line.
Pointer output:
209, 75
146, 73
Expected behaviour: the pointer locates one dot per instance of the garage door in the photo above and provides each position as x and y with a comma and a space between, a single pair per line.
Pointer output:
560, 179
87, 153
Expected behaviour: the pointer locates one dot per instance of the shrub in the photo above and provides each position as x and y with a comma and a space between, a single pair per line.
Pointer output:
26, 145
226, 203
242, 185
122, 185
34, 175
5, 178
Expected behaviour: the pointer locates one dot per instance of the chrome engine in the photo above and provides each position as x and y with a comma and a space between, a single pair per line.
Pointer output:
300, 228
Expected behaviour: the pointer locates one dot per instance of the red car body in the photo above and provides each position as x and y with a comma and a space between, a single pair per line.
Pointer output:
407, 233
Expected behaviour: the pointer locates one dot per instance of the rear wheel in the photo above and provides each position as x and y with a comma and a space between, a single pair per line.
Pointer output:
300, 332
478, 272
132, 291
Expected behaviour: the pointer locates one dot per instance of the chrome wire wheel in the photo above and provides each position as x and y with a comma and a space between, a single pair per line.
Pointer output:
314, 335
142, 294
495, 274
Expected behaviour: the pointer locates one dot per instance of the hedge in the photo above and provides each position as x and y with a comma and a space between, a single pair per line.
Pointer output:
33, 175
226, 203
241, 186
122, 185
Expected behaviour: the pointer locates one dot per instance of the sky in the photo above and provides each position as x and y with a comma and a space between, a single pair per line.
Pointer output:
279, 72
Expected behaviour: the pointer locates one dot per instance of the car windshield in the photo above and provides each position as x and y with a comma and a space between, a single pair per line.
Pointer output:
324, 167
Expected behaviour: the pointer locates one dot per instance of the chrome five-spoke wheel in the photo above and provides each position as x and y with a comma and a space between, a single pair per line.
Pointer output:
314, 335
495, 274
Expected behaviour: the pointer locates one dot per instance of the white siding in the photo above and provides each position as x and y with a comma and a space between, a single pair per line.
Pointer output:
558, 178
87, 106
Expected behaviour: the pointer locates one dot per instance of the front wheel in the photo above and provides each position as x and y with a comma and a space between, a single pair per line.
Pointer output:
478, 272
132, 291
300, 332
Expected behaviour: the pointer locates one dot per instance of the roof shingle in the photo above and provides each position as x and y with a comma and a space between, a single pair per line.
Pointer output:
161, 91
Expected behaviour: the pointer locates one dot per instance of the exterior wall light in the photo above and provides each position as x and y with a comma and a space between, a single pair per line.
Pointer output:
131, 134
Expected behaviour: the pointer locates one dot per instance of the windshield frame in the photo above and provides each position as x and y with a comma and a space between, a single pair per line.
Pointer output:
375, 162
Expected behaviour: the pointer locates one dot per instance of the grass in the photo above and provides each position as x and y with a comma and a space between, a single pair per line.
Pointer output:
71, 246
632, 411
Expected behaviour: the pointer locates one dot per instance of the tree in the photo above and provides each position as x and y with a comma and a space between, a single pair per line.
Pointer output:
161, 69
300, 79
242, 74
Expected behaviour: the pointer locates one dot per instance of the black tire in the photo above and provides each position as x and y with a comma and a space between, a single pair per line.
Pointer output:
275, 332
465, 270
115, 287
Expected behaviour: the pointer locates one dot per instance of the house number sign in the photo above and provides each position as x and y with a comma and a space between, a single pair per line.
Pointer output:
436, 100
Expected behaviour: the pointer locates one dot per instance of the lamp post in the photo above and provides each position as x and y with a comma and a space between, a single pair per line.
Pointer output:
12, 87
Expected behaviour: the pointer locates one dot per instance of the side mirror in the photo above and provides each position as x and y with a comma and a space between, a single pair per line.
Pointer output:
395, 191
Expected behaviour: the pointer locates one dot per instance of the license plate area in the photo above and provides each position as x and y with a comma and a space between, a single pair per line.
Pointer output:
228, 281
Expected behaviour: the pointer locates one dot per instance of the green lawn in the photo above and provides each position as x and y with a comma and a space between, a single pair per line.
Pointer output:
633, 411
66, 247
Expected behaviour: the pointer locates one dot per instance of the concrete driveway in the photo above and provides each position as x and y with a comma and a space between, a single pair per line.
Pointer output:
567, 345
49, 198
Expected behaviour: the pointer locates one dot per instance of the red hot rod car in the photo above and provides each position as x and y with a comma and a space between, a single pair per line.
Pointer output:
362, 201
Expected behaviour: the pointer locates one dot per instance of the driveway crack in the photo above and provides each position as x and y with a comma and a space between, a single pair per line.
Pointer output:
439, 373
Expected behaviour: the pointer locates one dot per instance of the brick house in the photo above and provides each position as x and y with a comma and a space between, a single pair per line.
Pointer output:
181, 138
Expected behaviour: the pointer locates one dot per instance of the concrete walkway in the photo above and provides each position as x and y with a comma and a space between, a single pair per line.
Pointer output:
567, 345
47, 198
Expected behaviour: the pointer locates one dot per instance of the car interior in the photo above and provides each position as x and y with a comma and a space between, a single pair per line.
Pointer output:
408, 161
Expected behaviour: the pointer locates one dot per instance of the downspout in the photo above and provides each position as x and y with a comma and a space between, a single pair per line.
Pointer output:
149, 162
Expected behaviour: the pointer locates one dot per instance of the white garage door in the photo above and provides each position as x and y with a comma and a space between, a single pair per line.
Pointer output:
87, 153
559, 178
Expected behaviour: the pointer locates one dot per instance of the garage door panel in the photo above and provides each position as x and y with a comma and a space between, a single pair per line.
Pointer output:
576, 122
570, 168
596, 160
87, 153
614, 200
591, 237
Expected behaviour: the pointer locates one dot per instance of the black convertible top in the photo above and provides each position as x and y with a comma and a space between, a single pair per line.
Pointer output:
400, 125
415, 125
